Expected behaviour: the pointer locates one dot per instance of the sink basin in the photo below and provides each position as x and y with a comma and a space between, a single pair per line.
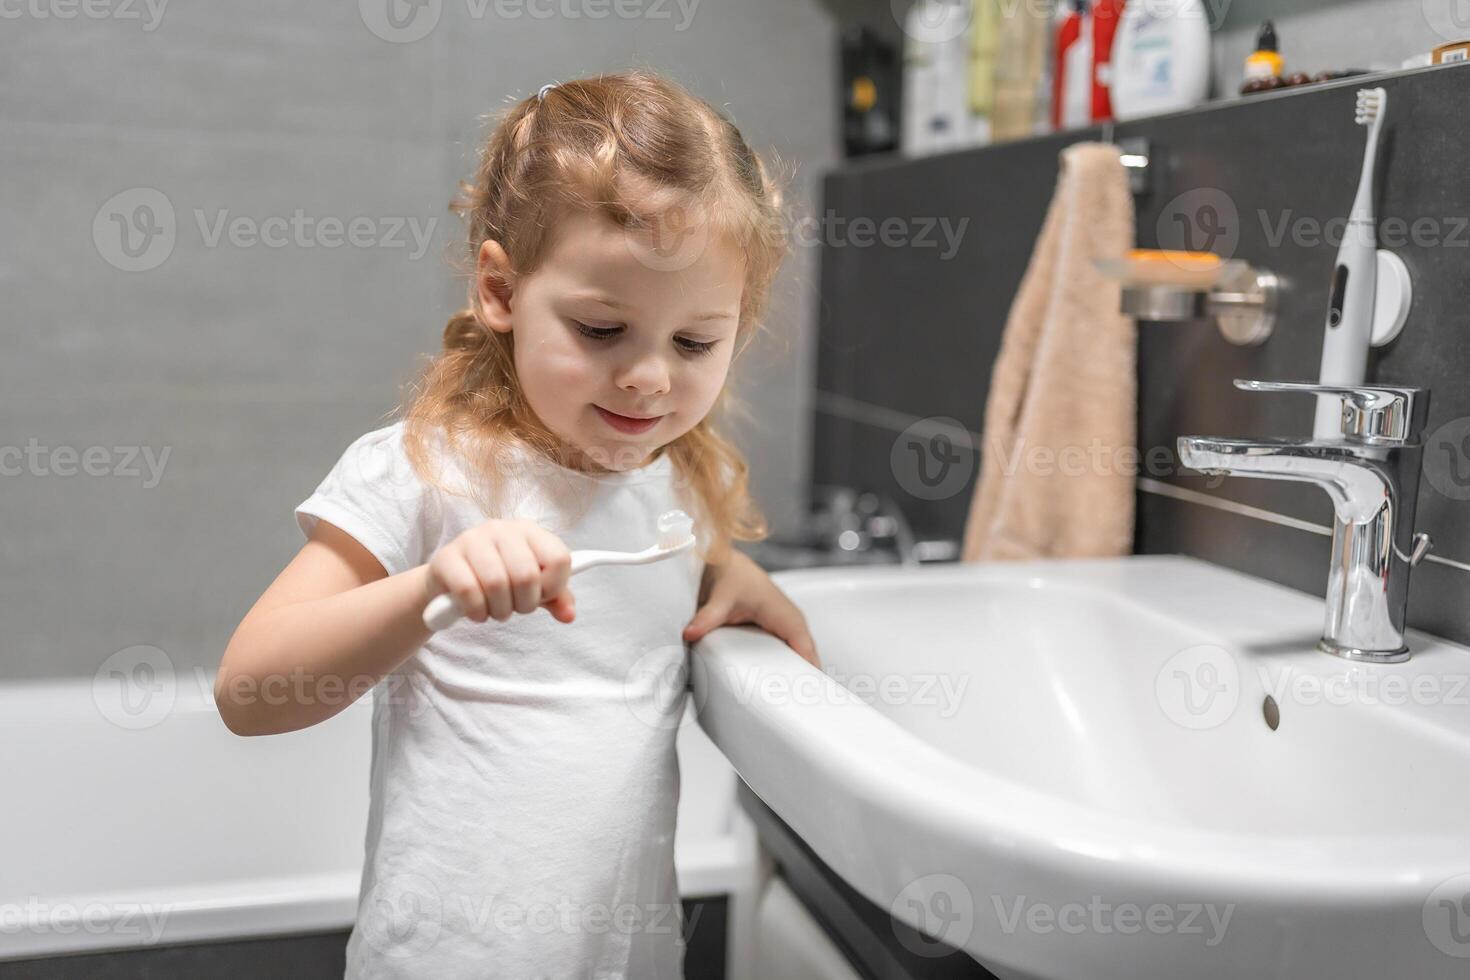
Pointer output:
1071, 770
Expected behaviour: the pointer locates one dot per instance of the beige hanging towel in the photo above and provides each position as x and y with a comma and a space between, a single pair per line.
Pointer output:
1058, 459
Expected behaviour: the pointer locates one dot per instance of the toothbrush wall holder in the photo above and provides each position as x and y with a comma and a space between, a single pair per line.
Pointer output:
1242, 302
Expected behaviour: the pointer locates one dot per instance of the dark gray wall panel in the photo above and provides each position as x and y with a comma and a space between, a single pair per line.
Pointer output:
907, 331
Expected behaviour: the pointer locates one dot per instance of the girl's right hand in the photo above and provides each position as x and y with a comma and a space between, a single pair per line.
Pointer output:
504, 567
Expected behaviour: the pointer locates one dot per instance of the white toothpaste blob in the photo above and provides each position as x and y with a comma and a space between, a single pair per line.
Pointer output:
674, 528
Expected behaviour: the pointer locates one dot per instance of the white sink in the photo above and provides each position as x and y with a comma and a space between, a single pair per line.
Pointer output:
1065, 769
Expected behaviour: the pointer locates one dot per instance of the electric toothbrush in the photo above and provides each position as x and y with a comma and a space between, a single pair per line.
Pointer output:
675, 534
1354, 280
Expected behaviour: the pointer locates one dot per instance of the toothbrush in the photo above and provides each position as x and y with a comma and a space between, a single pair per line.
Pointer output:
675, 534
1354, 281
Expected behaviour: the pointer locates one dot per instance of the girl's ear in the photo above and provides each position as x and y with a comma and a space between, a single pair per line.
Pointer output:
493, 279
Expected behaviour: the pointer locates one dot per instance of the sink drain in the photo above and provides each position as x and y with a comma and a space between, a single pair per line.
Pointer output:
1272, 711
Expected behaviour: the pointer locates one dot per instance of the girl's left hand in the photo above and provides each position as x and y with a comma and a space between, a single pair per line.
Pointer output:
739, 591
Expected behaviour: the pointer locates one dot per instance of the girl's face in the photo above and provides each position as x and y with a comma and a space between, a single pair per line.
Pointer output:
620, 346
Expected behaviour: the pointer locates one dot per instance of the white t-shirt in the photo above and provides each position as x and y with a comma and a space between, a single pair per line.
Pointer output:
524, 781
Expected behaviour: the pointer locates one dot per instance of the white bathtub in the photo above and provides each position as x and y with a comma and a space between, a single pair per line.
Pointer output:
152, 824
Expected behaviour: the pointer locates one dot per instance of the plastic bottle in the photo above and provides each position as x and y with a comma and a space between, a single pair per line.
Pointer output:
1106, 15
1071, 90
984, 47
936, 114
1264, 65
1162, 59
1020, 68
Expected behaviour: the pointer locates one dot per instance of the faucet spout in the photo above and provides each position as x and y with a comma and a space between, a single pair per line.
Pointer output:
1353, 476
1371, 475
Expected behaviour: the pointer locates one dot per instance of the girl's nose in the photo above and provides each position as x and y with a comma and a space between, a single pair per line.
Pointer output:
648, 376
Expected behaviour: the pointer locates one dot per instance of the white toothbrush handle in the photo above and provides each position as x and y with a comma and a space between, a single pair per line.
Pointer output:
583, 560
443, 609
1350, 308
441, 612
1350, 323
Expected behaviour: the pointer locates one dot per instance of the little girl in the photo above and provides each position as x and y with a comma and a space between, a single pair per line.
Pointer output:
524, 781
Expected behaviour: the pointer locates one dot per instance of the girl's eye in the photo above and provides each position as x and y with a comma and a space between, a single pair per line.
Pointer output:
596, 333
695, 346
686, 344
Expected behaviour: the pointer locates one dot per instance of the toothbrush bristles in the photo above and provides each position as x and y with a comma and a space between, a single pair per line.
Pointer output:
1370, 105
674, 529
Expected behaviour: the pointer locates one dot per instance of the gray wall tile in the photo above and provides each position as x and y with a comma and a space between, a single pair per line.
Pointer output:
274, 306
173, 556
314, 69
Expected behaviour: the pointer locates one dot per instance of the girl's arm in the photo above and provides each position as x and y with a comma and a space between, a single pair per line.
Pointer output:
330, 626
334, 622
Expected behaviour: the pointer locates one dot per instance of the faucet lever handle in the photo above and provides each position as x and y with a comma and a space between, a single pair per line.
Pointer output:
1370, 413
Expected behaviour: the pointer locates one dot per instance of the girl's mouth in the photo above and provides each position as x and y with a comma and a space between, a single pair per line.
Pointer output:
627, 423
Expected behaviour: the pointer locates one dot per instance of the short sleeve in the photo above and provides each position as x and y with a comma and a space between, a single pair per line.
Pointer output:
374, 494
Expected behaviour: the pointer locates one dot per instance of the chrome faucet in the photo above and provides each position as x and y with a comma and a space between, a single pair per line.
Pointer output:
1372, 475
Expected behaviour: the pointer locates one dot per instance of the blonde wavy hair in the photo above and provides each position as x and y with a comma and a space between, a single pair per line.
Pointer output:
588, 144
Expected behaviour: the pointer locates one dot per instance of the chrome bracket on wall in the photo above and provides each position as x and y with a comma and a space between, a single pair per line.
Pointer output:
1242, 303
1134, 153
